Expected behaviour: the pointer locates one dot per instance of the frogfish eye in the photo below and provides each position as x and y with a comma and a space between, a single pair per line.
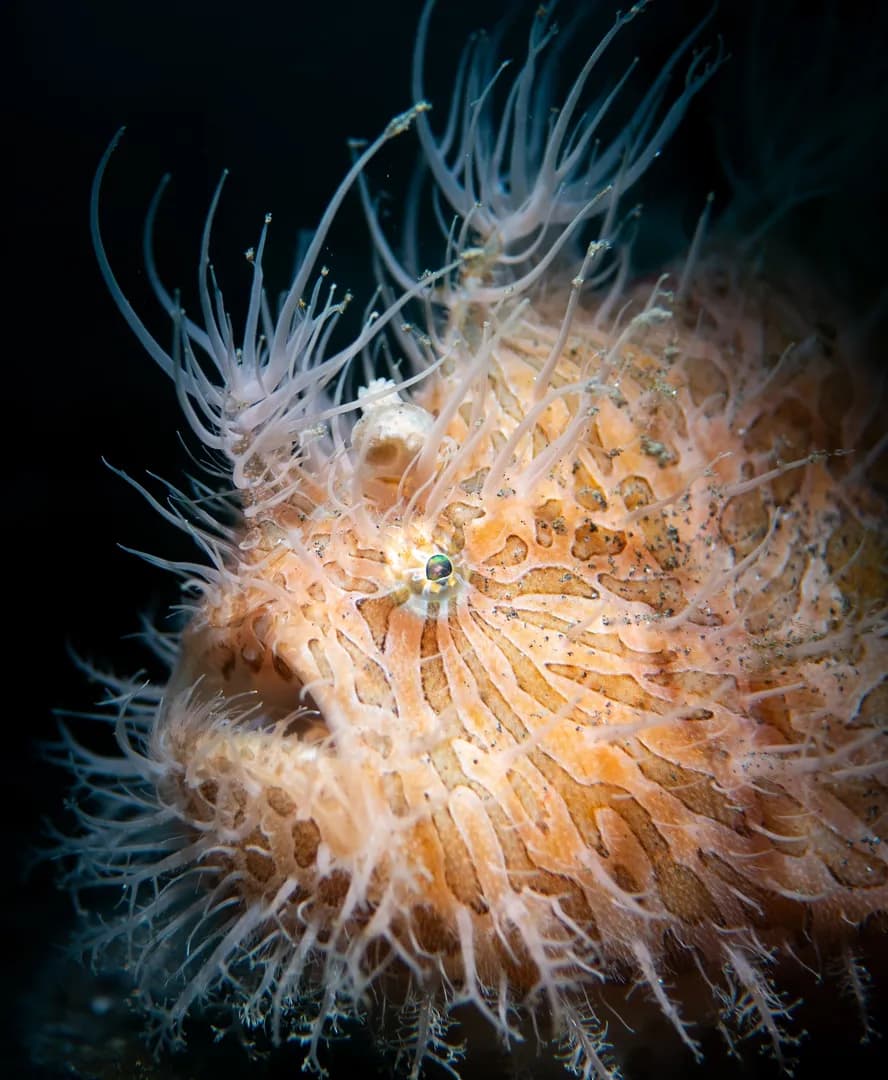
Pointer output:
438, 568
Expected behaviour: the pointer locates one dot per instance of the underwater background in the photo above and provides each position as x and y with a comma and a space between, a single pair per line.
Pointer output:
272, 91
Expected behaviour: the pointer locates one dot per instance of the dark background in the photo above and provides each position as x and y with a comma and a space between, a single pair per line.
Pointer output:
271, 91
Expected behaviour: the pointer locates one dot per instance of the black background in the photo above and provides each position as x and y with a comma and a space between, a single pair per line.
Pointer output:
271, 91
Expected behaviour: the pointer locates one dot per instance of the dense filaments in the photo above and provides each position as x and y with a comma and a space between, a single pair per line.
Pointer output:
557, 664
523, 170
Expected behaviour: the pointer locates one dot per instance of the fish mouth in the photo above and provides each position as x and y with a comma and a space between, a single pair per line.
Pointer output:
243, 689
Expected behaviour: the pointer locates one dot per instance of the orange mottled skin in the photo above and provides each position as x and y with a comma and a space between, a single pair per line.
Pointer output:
643, 720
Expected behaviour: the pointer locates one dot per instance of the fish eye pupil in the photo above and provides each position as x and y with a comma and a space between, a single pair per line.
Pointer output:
438, 568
